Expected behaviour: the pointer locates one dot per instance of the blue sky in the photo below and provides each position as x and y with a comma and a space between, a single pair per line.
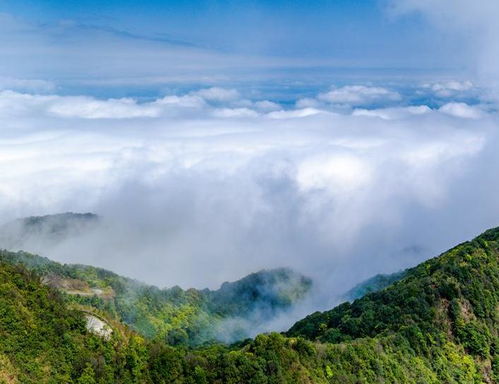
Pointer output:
80, 42
323, 29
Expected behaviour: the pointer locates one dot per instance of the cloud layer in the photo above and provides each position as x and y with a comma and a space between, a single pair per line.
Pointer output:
207, 186
224, 162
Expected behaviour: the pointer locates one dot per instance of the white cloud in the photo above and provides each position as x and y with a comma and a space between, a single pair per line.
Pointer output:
195, 192
234, 112
335, 173
89, 108
26, 85
450, 88
308, 102
218, 94
462, 110
393, 113
358, 95
286, 114
266, 106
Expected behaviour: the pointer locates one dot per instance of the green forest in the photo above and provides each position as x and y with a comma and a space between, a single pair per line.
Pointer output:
435, 323
178, 317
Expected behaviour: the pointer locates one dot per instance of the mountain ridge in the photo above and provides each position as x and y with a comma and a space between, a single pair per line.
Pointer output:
151, 311
438, 324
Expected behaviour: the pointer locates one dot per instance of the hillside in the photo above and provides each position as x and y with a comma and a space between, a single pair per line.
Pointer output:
42, 340
177, 316
441, 313
373, 284
438, 324
187, 317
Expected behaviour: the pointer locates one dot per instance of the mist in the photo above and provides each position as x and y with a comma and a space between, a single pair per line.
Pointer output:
200, 188
208, 182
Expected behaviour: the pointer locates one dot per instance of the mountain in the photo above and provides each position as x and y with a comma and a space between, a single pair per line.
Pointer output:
177, 316
36, 231
44, 340
373, 284
267, 291
440, 321
437, 324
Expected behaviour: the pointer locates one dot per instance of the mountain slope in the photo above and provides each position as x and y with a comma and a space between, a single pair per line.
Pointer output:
373, 284
42, 340
177, 316
447, 302
190, 317
438, 324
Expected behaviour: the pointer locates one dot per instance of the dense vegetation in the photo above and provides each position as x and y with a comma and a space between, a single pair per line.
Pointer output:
42, 340
374, 284
438, 324
442, 312
175, 316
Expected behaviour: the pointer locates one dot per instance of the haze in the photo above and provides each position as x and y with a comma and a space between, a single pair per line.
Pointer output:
212, 149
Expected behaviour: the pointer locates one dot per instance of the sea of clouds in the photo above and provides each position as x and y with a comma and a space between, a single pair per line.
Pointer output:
205, 185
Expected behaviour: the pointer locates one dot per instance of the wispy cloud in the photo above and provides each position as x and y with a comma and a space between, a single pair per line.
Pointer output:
77, 56
74, 54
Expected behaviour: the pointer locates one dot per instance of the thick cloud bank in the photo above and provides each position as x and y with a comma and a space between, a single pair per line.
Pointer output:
207, 186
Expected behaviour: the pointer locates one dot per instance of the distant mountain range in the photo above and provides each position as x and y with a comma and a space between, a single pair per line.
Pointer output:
373, 284
35, 231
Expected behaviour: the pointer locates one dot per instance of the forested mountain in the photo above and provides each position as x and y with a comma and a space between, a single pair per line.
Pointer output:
176, 316
442, 317
438, 324
45, 340
373, 284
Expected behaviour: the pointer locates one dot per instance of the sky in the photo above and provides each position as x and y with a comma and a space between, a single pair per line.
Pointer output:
339, 138
271, 28
148, 48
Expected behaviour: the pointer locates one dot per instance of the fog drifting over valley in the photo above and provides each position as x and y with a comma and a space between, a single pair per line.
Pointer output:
207, 185
200, 188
